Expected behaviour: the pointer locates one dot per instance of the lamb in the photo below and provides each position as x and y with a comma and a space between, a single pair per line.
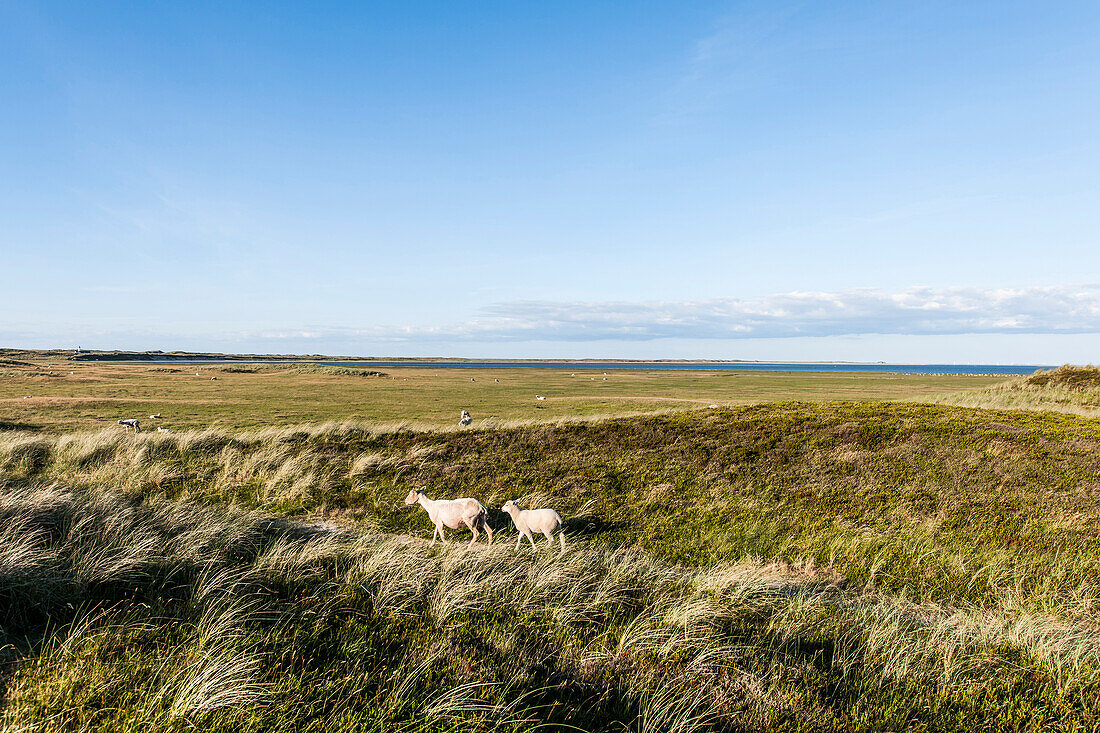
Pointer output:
544, 521
131, 423
453, 513
465, 419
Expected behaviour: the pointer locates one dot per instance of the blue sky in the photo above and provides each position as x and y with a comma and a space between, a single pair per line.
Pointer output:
844, 180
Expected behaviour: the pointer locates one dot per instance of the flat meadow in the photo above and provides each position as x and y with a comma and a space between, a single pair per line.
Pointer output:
85, 395
817, 553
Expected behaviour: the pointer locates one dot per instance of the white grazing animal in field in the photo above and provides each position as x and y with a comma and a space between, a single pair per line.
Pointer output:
465, 419
131, 423
212, 378
452, 514
527, 521
539, 397
155, 417
163, 430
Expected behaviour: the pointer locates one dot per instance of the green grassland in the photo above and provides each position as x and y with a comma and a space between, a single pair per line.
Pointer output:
837, 563
96, 394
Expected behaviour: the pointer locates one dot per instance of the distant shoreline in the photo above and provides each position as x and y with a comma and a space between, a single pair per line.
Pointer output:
729, 365
190, 356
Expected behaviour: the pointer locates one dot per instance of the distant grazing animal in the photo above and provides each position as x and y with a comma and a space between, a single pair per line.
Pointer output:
163, 430
539, 397
528, 521
131, 423
212, 378
465, 419
496, 380
713, 407
452, 514
472, 379
197, 374
155, 417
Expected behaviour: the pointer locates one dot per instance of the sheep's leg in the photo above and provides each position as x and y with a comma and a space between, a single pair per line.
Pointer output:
549, 537
519, 539
442, 537
530, 538
473, 528
488, 530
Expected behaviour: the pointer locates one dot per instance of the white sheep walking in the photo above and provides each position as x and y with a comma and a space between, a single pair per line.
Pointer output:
527, 521
453, 514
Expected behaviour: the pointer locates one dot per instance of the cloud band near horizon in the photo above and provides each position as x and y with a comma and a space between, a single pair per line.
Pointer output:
914, 311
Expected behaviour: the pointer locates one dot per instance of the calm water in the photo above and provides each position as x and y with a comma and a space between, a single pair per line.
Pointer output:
997, 369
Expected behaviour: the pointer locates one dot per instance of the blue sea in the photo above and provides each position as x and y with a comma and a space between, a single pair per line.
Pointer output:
971, 369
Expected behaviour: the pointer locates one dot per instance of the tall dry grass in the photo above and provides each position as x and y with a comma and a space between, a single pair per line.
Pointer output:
151, 614
1069, 389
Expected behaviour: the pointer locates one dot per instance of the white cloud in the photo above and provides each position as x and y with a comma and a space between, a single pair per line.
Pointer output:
919, 311
914, 311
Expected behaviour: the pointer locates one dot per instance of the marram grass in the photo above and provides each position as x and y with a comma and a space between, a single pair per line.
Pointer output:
232, 620
792, 567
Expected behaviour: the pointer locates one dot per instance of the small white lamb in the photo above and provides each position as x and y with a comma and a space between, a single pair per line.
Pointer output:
452, 513
527, 521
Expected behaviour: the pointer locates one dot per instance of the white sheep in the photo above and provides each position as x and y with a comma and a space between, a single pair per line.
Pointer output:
131, 423
465, 419
527, 521
452, 514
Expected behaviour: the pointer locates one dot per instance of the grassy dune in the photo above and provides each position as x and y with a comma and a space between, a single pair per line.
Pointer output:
1070, 389
130, 615
928, 500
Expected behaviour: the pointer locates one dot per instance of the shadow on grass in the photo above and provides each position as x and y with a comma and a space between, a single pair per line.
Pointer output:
24, 426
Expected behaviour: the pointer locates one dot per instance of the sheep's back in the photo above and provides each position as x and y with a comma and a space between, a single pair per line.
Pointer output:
542, 520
